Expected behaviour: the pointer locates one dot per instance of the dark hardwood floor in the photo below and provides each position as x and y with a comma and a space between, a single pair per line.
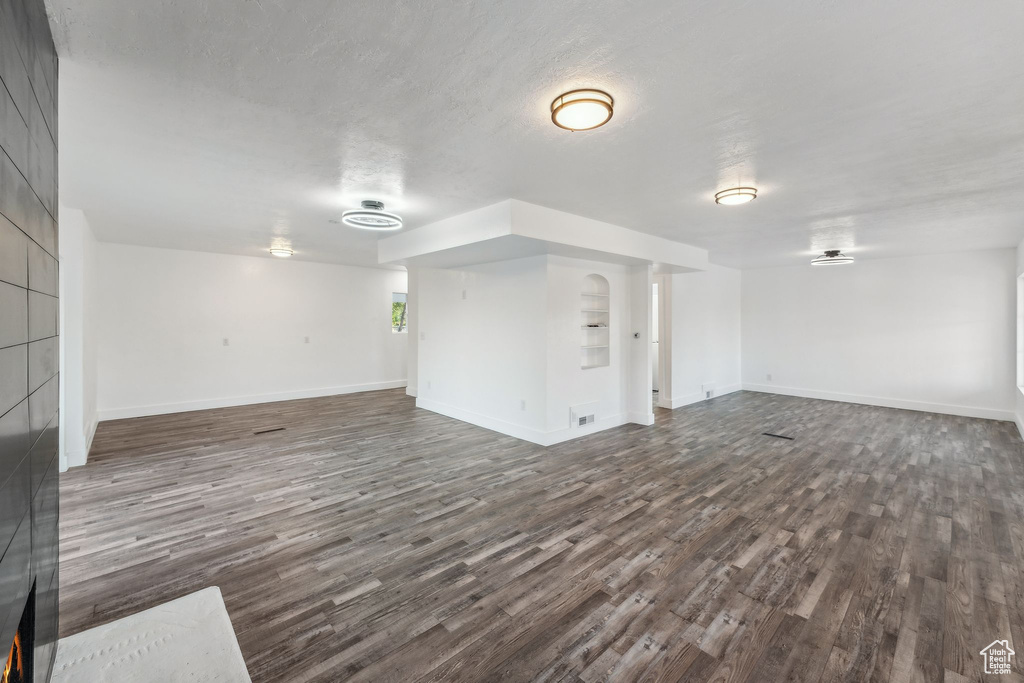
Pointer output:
373, 541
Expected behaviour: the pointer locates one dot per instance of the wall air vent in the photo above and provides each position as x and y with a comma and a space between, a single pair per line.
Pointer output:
583, 414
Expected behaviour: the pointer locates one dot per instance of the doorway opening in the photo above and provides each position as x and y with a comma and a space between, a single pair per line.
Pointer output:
661, 342
654, 344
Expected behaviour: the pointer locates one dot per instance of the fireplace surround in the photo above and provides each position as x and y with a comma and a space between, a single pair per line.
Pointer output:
29, 341
21, 654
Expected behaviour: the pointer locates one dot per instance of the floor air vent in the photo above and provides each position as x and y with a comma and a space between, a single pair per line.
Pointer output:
268, 431
777, 436
585, 420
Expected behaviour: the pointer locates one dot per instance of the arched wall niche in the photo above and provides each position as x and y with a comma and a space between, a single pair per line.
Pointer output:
595, 322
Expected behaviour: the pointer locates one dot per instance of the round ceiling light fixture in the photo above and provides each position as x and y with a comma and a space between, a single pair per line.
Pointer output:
736, 195
372, 217
832, 257
282, 252
583, 109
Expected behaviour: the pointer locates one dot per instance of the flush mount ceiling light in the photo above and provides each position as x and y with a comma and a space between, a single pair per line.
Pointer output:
583, 109
832, 257
371, 217
283, 252
736, 195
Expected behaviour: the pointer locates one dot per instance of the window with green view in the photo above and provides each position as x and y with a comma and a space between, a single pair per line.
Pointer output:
399, 321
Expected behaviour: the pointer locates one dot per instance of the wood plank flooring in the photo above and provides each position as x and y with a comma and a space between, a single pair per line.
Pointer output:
373, 541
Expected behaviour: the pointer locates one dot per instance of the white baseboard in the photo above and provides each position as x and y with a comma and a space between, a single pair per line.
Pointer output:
689, 399
412, 390
569, 433
903, 404
77, 458
1020, 424
640, 418
207, 404
530, 434
90, 433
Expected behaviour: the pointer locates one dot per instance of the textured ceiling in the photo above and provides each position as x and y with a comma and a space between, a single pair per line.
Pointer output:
879, 128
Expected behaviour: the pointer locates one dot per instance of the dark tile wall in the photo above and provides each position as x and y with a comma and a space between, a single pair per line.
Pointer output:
28, 325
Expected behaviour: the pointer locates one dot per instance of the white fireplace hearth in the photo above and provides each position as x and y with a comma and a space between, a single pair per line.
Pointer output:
188, 639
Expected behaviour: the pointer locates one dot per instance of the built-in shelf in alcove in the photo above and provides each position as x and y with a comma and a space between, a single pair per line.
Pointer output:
595, 310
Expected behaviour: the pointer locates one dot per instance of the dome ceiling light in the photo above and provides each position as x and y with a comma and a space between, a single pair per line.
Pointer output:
372, 217
736, 195
832, 257
282, 252
584, 109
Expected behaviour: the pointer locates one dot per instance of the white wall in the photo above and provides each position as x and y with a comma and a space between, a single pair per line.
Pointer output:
1018, 291
929, 333
78, 313
163, 316
500, 346
705, 335
567, 383
638, 335
482, 345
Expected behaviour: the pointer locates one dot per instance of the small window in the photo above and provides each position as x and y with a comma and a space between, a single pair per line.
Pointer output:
399, 313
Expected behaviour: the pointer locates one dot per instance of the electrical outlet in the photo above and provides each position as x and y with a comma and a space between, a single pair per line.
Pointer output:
226, 341
768, 377
423, 336
307, 340
463, 295
522, 404
428, 384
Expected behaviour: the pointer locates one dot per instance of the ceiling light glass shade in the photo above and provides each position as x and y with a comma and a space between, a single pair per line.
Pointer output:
736, 195
283, 252
832, 257
372, 217
582, 109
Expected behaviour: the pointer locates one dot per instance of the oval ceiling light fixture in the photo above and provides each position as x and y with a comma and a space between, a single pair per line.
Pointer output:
583, 109
832, 257
372, 217
282, 252
736, 195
